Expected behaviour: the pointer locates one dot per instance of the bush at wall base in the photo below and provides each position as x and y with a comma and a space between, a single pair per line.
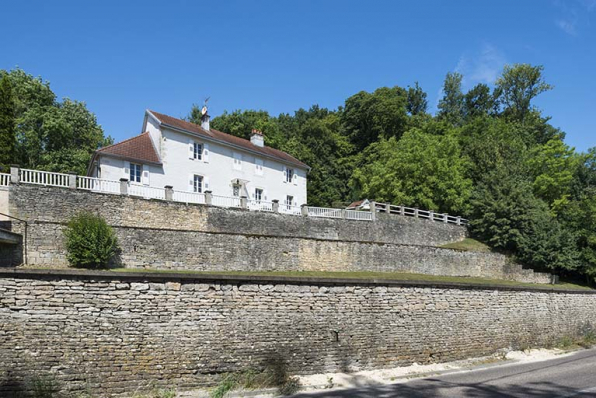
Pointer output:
90, 241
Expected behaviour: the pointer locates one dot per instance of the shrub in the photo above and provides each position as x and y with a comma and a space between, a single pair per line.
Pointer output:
45, 387
90, 241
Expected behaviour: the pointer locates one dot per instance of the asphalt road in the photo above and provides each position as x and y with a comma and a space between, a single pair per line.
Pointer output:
571, 376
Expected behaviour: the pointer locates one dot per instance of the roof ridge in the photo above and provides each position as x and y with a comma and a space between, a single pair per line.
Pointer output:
122, 142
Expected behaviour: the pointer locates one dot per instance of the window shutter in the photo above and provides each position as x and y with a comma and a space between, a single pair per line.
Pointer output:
206, 183
191, 149
285, 173
126, 172
191, 182
295, 178
206, 153
145, 178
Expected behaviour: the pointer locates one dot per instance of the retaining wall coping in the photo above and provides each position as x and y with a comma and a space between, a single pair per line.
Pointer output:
20, 273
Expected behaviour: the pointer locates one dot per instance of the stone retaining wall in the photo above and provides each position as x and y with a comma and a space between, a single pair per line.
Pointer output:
113, 332
169, 235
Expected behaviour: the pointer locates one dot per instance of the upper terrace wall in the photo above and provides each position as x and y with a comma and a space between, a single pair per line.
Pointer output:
57, 205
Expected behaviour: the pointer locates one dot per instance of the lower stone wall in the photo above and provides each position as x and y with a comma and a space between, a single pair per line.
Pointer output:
208, 251
109, 333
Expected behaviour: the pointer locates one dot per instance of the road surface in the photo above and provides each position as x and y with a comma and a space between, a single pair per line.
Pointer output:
567, 377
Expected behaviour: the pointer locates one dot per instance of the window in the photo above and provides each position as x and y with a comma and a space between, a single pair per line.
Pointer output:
197, 151
237, 161
289, 175
236, 190
135, 172
289, 201
258, 194
259, 167
197, 184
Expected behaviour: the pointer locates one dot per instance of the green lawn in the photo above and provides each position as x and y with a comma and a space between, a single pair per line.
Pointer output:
468, 245
394, 276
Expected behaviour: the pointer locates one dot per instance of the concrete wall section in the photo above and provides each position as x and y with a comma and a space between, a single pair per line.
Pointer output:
115, 333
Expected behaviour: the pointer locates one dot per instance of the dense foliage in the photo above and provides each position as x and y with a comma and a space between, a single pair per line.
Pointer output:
488, 154
47, 134
90, 241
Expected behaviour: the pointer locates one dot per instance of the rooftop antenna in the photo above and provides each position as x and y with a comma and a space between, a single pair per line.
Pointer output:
204, 109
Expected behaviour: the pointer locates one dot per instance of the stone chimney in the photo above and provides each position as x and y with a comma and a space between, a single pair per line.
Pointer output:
205, 121
256, 138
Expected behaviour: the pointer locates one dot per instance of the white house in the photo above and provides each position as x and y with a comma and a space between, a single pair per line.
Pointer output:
193, 158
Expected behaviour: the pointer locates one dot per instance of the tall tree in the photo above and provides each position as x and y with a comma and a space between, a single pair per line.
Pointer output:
7, 124
479, 101
370, 116
451, 106
519, 84
421, 169
417, 103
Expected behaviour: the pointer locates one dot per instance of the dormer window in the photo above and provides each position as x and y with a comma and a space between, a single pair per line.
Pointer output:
135, 172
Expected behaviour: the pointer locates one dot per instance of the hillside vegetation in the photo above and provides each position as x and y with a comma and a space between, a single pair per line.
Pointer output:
488, 154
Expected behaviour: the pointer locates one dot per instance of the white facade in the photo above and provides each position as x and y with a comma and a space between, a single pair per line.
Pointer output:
192, 162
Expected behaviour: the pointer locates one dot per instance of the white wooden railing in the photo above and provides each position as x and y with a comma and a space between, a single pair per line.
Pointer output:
188, 197
146, 191
44, 178
97, 184
413, 212
38, 177
225, 201
4, 180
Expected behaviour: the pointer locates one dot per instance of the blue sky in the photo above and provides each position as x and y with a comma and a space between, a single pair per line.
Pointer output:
123, 57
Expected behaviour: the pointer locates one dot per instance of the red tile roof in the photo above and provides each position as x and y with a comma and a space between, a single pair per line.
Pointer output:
138, 148
226, 138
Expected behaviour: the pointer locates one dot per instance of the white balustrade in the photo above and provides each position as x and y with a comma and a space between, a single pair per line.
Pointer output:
225, 201
324, 212
98, 185
146, 192
288, 209
188, 197
44, 178
4, 180
358, 215
260, 205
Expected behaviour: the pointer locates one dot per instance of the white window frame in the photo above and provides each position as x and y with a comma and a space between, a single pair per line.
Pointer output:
198, 183
197, 150
289, 201
259, 194
234, 187
289, 176
133, 175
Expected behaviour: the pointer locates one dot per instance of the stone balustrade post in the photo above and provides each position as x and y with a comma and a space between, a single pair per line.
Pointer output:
431, 215
15, 175
243, 202
304, 210
72, 180
445, 218
458, 220
208, 197
416, 212
124, 186
169, 192
402, 210
275, 205
343, 213
373, 210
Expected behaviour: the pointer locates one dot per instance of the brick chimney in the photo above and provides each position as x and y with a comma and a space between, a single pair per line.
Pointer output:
256, 138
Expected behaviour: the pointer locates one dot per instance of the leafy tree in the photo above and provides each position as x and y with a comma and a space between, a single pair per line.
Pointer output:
554, 166
519, 84
451, 106
370, 116
417, 102
90, 241
52, 135
479, 101
7, 124
241, 124
420, 170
